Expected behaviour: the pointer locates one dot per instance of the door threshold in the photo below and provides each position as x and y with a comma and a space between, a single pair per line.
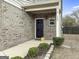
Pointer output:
37, 38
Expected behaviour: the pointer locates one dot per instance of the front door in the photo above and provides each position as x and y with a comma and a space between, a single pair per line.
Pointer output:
39, 28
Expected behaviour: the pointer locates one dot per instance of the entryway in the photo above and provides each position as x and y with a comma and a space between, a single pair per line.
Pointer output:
39, 27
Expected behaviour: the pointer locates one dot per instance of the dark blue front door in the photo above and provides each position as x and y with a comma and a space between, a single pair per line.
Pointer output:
39, 28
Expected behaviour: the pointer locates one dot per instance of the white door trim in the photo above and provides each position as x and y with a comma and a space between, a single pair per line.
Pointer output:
35, 24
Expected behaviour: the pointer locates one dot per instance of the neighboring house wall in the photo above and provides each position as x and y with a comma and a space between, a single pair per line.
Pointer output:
15, 26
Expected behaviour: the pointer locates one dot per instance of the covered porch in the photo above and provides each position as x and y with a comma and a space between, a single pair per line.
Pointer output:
46, 18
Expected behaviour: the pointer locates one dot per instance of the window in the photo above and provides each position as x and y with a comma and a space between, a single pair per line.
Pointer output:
52, 21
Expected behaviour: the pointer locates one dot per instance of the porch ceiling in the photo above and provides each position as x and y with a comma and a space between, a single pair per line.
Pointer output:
43, 8
43, 11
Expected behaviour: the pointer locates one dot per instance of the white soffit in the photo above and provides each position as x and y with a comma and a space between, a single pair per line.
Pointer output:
13, 3
19, 3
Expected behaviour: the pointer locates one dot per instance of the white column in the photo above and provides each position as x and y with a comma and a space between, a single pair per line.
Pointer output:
58, 23
59, 20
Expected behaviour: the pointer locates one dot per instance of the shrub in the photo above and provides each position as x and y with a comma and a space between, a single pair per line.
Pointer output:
33, 52
43, 46
17, 57
57, 41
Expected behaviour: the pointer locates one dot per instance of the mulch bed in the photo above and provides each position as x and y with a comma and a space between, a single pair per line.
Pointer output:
41, 54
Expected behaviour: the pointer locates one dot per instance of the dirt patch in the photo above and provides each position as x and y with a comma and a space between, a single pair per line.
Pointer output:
71, 41
65, 53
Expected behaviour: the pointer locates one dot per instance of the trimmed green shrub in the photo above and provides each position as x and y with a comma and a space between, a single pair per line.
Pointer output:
17, 57
43, 46
33, 52
58, 41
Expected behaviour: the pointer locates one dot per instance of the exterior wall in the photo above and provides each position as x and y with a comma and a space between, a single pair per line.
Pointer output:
49, 31
15, 26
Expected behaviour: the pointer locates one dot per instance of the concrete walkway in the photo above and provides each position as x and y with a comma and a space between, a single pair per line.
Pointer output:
22, 49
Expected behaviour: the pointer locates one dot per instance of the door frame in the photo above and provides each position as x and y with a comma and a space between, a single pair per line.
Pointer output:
35, 25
